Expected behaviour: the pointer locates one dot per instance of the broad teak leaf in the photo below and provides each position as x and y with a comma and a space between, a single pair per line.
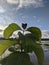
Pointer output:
17, 59
10, 29
5, 44
31, 46
36, 33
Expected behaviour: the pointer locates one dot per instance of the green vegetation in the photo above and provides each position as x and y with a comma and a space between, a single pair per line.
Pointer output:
20, 47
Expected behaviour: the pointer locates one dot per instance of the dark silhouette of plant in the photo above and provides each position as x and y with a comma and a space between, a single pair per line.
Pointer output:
20, 47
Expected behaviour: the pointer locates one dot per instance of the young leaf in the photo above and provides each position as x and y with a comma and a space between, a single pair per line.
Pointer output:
36, 33
18, 59
14, 48
10, 29
24, 25
4, 44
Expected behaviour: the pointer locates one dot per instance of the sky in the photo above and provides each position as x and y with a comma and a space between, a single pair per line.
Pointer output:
33, 12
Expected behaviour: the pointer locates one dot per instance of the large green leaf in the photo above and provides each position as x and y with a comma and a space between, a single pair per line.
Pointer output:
3, 61
31, 45
36, 33
39, 53
17, 59
28, 43
10, 29
37, 50
4, 44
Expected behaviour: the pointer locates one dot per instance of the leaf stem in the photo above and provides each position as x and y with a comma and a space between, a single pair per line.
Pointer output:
21, 48
21, 45
21, 42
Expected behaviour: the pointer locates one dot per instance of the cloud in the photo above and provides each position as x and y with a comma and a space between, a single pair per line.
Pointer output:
5, 20
2, 27
45, 33
12, 1
25, 3
2, 10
